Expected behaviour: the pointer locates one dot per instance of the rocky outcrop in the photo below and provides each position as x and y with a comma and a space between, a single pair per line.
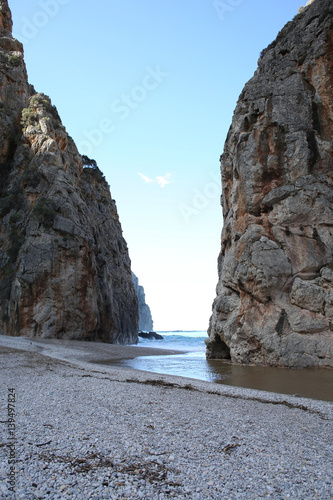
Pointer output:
65, 271
145, 318
274, 301
150, 336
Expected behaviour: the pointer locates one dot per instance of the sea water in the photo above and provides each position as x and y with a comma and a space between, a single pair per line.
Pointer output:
191, 341
309, 382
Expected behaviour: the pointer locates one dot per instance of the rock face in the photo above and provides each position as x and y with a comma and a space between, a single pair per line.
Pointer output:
145, 318
64, 266
274, 301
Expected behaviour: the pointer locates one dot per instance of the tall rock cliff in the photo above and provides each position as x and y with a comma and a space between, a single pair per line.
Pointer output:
145, 318
64, 265
274, 301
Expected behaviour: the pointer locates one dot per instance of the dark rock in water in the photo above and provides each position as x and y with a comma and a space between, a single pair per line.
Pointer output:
150, 335
145, 318
274, 301
65, 271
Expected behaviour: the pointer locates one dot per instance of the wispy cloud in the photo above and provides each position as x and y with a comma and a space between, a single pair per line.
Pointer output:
148, 180
161, 180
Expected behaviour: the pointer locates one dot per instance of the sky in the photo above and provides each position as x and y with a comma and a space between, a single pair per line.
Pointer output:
147, 88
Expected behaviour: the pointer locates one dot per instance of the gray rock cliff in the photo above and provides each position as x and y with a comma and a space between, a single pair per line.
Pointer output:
274, 301
65, 271
145, 318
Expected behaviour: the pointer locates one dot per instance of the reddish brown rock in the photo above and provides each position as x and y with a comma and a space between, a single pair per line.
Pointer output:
274, 297
6, 22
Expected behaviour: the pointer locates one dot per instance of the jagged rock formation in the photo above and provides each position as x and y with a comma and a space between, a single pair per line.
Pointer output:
145, 318
64, 265
274, 300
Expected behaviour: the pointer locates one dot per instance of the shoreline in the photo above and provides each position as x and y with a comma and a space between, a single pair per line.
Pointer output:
79, 350
84, 430
102, 358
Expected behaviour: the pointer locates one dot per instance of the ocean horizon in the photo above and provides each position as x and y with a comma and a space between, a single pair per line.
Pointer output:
178, 340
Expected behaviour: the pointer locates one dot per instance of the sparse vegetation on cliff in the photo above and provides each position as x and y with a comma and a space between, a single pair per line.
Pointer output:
31, 176
29, 117
15, 60
91, 168
45, 212
42, 100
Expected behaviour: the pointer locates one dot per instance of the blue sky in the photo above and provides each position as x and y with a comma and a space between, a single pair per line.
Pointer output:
147, 88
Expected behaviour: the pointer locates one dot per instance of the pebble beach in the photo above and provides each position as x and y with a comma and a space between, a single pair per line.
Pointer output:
75, 429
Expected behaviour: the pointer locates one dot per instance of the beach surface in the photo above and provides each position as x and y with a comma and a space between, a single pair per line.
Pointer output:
73, 428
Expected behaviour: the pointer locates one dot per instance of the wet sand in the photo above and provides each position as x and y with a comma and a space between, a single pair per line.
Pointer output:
76, 350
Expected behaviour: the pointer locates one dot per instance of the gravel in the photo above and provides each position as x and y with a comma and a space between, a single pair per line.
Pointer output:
86, 431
